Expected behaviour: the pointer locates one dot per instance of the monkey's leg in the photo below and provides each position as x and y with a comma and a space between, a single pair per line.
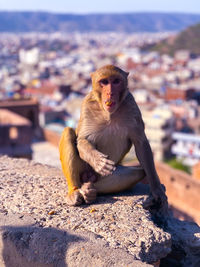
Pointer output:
124, 177
72, 165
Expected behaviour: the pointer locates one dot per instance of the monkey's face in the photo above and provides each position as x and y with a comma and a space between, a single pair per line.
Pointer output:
112, 89
109, 87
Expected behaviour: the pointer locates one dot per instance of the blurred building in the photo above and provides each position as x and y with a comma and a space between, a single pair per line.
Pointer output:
187, 148
159, 126
182, 56
50, 115
29, 57
16, 135
179, 93
28, 108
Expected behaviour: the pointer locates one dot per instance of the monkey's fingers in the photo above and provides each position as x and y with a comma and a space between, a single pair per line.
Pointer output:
106, 167
86, 186
102, 155
89, 200
88, 192
109, 164
107, 170
103, 171
108, 161
111, 168
159, 194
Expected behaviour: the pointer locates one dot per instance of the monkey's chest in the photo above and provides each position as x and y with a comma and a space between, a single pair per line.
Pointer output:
111, 140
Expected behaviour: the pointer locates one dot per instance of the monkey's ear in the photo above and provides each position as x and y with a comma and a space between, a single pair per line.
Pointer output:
91, 74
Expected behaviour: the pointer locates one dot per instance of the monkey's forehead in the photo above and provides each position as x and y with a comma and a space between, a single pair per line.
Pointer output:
108, 71
107, 75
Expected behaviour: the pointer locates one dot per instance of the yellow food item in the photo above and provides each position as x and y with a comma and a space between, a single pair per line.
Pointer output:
52, 212
108, 103
92, 210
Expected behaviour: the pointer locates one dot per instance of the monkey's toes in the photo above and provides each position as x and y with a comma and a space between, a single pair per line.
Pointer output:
90, 196
88, 192
74, 199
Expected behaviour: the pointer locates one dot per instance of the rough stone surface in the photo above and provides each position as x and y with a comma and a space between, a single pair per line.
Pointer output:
39, 229
26, 245
185, 244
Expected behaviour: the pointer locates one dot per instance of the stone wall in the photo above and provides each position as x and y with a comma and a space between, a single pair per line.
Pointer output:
38, 229
183, 191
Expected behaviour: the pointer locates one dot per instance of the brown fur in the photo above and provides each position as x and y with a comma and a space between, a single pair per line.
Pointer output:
104, 136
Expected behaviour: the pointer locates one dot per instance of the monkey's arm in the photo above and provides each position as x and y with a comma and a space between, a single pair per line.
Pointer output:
97, 160
145, 157
87, 151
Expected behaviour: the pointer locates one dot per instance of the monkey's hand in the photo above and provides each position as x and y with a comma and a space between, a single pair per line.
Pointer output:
88, 192
160, 198
101, 164
74, 198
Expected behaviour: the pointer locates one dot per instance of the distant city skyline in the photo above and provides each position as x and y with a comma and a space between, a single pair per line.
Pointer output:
103, 6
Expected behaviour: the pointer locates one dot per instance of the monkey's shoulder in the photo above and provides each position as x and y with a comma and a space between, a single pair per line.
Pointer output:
128, 109
130, 104
90, 105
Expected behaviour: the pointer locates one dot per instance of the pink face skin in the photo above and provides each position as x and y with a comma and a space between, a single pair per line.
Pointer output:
111, 89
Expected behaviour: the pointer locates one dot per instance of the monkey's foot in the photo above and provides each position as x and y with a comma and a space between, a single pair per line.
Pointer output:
74, 198
157, 200
88, 176
88, 192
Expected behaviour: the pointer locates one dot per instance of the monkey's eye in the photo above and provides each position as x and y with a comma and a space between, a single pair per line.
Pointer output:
116, 81
104, 81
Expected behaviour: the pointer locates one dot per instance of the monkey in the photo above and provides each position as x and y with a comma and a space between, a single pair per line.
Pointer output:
110, 123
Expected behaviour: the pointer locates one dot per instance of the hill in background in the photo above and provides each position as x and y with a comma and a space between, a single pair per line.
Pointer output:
189, 39
131, 22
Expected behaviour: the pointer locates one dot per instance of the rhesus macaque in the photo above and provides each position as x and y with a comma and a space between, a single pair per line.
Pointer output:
110, 123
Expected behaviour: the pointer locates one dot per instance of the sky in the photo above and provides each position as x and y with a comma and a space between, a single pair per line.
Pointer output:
96, 6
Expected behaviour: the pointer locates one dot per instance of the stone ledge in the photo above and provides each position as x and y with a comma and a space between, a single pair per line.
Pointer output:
39, 229
27, 245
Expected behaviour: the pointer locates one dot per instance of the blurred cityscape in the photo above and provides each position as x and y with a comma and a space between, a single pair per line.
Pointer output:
44, 78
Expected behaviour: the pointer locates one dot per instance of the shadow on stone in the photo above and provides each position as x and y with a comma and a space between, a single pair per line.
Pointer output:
185, 243
102, 199
29, 246
137, 190
185, 239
